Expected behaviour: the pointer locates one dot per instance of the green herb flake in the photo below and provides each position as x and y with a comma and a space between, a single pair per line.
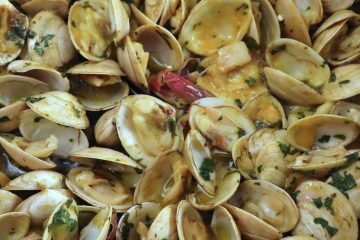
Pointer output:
220, 118
62, 217
300, 115
259, 169
4, 119
77, 112
73, 24
343, 183
31, 34
34, 99
251, 43
17, 35
250, 81
39, 50
343, 82
241, 132
172, 126
278, 49
46, 39
332, 77
284, 148
294, 195
292, 180
352, 157
207, 167
325, 224
318, 203
242, 6
328, 205
324, 139
340, 136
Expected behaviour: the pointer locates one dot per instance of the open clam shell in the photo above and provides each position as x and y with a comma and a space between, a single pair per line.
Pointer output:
14, 27
323, 131
135, 222
220, 121
164, 225
61, 108
120, 24
37, 180
347, 109
162, 46
92, 36
325, 213
40, 205
335, 5
99, 226
202, 33
32, 7
242, 158
147, 128
106, 156
33, 127
24, 157
227, 182
10, 116
105, 129
267, 109
297, 65
14, 225
49, 40
40, 72
311, 11
246, 221
163, 182
63, 222
198, 159
99, 188
223, 225
268, 202
351, 189
9, 201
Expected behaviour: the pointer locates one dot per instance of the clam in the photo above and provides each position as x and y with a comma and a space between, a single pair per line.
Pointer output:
32, 7
323, 131
347, 181
61, 108
99, 188
271, 163
198, 159
99, 226
10, 120
325, 213
242, 158
179, 17
163, 48
311, 11
147, 128
33, 127
134, 60
92, 36
135, 222
9, 201
63, 222
347, 109
268, 202
37, 180
267, 109
321, 162
106, 157
343, 84
14, 225
14, 28
49, 42
202, 33
220, 121
40, 205
335, 5
163, 182
32, 155
40, 72
105, 129
294, 180
294, 25
246, 221
294, 64
120, 24
227, 182
164, 225
98, 86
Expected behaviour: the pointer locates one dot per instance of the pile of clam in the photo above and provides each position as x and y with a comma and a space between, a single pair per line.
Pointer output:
179, 119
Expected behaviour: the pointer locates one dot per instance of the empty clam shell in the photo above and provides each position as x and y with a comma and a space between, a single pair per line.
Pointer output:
164, 225
99, 225
14, 225
9, 201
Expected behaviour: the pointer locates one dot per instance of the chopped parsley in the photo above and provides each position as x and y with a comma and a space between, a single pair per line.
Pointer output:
318, 203
34, 99
328, 205
352, 157
62, 217
241, 132
250, 81
207, 167
340, 136
343, 183
242, 6
43, 43
294, 195
344, 82
300, 115
284, 148
17, 35
332, 77
325, 224
278, 49
251, 43
4, 119
46, 39
220, 118
259, 169
324, 139
172, 126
